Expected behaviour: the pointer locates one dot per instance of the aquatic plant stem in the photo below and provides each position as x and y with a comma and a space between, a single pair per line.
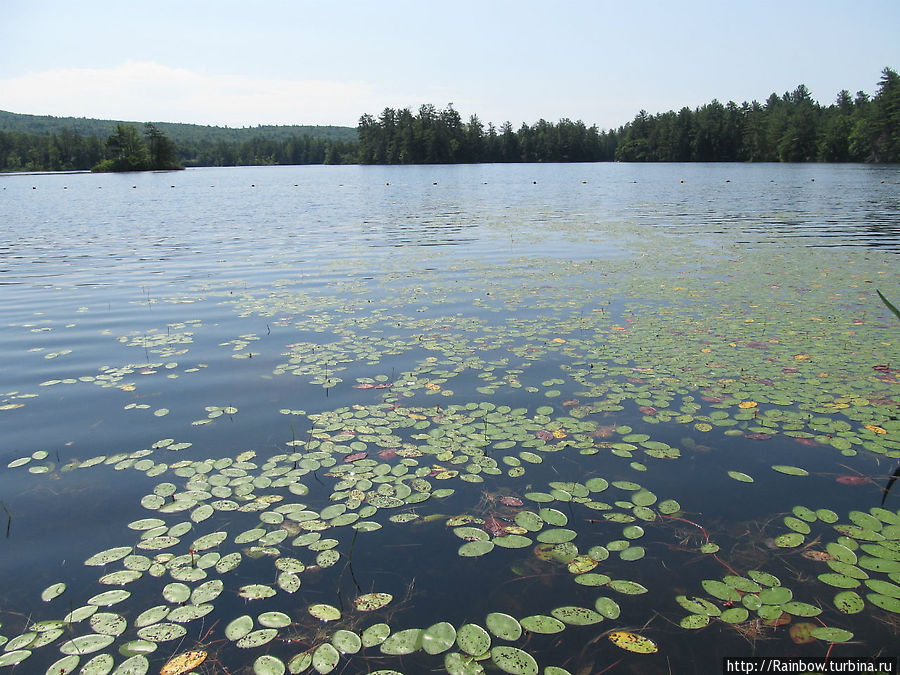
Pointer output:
700, 527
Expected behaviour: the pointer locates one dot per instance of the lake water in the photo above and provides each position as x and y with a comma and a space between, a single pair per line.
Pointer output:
550, 415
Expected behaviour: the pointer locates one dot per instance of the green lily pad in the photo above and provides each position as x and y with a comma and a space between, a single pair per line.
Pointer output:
838, 580
513, 660
65, 665
239, 627
403, 642
108, 623
720, 590
369, 602
325, 658
438, 638
53, 591
14, 658
848, 602
162, 632
346, 641
503, 626
375, 634
829, 634
694, 621
789, 540
885, 602
87, 644
257, 638
800, 609
608, 607
741, 477
576, 616
735, 615
324, 612
274, 619
777, 595
540, 623
668, 507
627, 587
473, 549
459, 664
268, 665
473, 639
790, 470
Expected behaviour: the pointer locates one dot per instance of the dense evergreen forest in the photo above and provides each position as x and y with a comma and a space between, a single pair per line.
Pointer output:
788, 128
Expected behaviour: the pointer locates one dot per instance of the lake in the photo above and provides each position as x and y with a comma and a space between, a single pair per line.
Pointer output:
578, 418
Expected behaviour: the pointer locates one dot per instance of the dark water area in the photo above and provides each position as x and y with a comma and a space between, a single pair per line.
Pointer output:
670, 386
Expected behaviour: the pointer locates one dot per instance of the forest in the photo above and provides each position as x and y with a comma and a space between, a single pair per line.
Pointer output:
792, 127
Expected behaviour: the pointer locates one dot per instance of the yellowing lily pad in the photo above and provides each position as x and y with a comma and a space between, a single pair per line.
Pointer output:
369, 602
633, 642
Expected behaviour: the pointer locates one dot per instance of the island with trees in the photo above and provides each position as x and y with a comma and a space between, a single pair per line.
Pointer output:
792, 127
127, 151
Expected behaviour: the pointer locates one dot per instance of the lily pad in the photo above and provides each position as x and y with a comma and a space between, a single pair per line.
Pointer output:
324, 612
369, 602
403, 642
503, 626
576, 616
473, 639
513, 660
633, 642
438, 638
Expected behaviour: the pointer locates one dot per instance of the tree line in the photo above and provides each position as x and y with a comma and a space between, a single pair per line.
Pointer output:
787, 128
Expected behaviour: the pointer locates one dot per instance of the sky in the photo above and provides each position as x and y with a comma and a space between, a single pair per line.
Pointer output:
237, 63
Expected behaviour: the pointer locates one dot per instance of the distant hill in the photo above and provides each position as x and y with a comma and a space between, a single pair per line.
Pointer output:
182, 134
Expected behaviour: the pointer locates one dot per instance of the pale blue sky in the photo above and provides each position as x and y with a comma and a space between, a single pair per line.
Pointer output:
239, 63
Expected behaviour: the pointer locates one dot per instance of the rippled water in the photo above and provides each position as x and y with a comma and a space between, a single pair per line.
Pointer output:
518, 286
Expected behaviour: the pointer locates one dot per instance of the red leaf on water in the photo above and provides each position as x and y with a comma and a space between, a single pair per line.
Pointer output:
647, 409
388, 453
882, 369
758, 436
364, 386
852, 480
494, 527
806, 441
711, 399
356, 456
544, 435
511, 501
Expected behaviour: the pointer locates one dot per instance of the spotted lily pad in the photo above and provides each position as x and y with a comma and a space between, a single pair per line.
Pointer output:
576, 616
369, 602
473, 639
403, 642
87, 644
324, 612
325, 658
513, 660
633, 642
503, 626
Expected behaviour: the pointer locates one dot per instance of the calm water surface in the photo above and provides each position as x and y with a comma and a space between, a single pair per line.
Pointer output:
604, 341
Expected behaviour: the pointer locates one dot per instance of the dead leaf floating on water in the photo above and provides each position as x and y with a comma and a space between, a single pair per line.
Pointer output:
184, 663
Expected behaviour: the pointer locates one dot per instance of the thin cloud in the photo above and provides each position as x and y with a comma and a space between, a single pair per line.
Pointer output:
141, 90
